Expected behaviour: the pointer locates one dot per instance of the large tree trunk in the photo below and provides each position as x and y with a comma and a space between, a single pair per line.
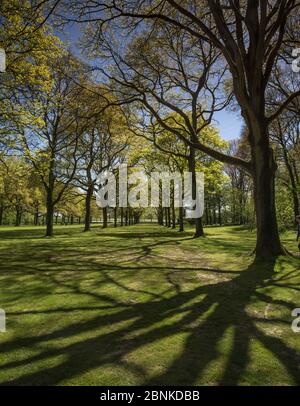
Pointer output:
268, 241
88, 200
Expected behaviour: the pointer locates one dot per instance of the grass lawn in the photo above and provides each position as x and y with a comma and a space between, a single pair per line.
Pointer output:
145, 305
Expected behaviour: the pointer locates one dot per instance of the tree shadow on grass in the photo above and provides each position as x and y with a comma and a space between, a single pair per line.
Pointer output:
203, 314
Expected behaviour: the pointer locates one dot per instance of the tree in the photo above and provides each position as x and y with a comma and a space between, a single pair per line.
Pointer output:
250, 35
284, 130
15, 186
285, 133
27, 42
169, 82
101, 146
51, 141
164, 152
240, 182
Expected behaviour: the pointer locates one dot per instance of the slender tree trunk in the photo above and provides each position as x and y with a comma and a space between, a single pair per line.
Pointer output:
181, 224
18, 217
206, 212
160, 216
219, 211
166, 216
36, 217
169, 216
214, 212
50, 213
293, 182
294, 165
104, 213
192, 167
129, 216
49, 198
88, 200
122, 216
115, 217
173, 212
209, 212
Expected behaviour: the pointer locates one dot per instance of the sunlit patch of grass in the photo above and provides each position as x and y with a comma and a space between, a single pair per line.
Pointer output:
146, 305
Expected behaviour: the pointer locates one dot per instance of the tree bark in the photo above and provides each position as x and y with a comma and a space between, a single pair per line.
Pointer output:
293, 181
104, 213
160, 216
50, 213
166, 216
268, 242
36, 217
214, 212
169, 217
88, 200
219, 211
122, 216
18, 217
115, 217
181, 224
192, 167
206, 212
173, 212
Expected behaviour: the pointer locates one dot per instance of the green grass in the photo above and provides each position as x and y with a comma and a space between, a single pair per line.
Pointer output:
145, 305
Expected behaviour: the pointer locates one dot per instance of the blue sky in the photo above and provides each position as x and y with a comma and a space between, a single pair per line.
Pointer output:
228, 123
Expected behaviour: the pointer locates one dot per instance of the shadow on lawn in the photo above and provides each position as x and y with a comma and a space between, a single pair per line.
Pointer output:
227, 301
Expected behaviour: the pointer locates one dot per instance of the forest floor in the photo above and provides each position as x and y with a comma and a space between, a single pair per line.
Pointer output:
146, 305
